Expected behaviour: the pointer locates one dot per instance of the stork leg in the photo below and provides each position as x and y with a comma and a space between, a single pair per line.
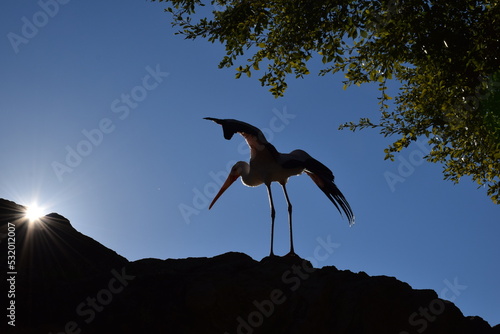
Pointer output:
273, 213
292, 252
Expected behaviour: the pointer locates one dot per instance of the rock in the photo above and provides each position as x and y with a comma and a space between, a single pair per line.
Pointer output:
67, 282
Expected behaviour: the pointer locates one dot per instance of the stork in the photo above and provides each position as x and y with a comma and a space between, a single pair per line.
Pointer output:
267, 165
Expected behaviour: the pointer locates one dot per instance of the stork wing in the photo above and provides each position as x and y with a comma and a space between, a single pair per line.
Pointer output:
253, 136
322, 176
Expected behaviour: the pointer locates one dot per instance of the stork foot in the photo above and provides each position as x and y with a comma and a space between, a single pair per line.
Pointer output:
292, 254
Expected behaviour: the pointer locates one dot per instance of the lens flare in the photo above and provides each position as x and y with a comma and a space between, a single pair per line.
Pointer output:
34, 212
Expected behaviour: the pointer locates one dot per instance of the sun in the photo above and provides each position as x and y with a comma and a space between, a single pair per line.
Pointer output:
34, 212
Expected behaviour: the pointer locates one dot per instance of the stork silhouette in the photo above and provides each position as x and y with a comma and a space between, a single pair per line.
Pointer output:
267, 165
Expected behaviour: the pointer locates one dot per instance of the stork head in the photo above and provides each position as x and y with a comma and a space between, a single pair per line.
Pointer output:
236, 172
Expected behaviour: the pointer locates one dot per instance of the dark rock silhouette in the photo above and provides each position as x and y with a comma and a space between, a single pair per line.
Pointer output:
66, 282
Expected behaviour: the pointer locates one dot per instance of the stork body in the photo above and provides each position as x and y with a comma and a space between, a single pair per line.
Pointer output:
267, 165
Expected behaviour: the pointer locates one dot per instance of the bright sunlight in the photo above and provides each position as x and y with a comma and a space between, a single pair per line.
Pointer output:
34, 212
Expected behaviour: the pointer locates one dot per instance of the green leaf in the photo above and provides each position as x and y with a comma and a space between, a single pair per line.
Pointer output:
441, 90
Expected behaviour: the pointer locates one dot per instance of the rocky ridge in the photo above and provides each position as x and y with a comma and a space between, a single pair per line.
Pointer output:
66, 282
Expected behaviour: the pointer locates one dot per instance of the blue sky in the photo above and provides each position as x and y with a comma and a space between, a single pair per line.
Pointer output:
102, 111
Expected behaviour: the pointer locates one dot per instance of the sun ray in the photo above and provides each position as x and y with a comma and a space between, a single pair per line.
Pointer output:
34, 212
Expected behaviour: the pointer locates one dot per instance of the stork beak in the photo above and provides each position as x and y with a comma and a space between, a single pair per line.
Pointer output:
229, 181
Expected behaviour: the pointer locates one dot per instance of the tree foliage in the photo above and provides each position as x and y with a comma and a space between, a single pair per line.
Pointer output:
444, 54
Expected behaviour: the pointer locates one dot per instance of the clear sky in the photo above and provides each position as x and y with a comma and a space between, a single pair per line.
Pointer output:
101, 121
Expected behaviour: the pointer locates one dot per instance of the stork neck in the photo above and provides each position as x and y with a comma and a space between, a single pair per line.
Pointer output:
247, 176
